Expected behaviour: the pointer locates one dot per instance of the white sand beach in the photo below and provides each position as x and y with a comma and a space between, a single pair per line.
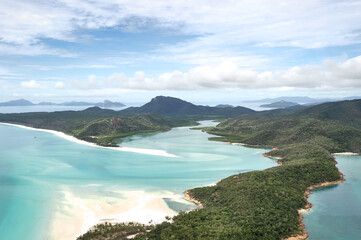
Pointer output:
123, 149
76, 215
346, 153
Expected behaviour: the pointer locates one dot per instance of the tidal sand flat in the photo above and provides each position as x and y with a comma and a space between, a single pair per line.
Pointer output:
76, 140
336, 209
55, 188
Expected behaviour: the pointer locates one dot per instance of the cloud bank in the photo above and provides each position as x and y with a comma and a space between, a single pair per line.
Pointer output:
227, 75
32, 84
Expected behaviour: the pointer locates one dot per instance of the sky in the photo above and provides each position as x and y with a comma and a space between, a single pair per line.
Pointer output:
203, 51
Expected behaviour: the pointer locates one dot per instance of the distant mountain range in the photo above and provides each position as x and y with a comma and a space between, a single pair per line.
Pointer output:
174, 106
224, 106
23, 102
302, 99
19, 102
280, 104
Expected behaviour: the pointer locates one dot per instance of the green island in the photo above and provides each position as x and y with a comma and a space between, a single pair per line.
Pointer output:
253, 205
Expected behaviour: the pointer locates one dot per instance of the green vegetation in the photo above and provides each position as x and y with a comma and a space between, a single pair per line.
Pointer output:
118, 231
98, 125
103, 131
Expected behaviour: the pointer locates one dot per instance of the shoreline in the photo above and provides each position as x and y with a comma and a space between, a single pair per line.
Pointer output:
307, 193
303, 235
188, 197
347, 154
308, 207
278, 159
76, 140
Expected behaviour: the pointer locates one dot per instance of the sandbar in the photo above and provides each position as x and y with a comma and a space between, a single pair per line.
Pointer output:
76, 140
346, 153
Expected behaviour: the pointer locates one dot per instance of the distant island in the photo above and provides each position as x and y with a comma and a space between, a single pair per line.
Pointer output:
224, 106
280, 104
24, 102
302, 100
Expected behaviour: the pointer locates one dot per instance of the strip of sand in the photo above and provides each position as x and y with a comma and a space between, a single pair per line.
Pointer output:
74, 139
76, 215
346, 153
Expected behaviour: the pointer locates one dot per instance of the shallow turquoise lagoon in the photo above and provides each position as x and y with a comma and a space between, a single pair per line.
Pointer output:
38, 168
336, 210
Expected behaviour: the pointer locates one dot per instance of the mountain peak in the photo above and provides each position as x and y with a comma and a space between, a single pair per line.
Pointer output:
175, 106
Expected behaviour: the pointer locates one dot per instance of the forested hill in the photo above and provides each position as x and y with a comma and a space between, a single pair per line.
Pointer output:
173, 106
345, 111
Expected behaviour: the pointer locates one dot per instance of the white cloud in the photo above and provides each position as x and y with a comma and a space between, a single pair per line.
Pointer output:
227, 75
59, 85
90, 84
32, 84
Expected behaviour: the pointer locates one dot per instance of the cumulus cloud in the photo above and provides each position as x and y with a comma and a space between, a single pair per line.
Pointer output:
90, 84
32, 84
329, 75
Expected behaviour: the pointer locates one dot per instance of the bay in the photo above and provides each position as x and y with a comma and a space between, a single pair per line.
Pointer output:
336, 209
52, 188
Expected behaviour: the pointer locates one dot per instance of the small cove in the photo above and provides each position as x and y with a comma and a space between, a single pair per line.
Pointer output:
336, 210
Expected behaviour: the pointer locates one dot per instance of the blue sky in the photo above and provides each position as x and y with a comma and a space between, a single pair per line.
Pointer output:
202, 51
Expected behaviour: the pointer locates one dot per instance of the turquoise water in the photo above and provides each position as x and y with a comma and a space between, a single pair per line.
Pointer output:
36, 167
336, 210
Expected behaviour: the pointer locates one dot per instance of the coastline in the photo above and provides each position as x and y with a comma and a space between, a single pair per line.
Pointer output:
155, 152
278, 159
308, 192
347, 153
188, 197
303, 235
187, 193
